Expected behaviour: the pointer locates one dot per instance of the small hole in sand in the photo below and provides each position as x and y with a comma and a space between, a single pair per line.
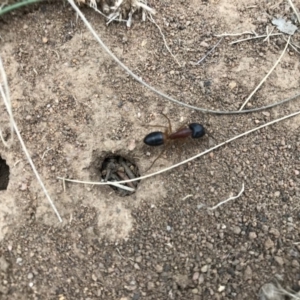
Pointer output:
117, 168
4, 174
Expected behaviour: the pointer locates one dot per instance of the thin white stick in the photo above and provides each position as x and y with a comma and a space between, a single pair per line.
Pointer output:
295, 10
265, 78
227, 200
8, 108
6, 98
138, 79
191, 158
254, 37
164, 38
234, 34
209, 52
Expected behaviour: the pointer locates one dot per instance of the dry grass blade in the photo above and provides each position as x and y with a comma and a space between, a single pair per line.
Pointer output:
265, 78
169, 98
229, 199
295, 10
191, 158
6, 99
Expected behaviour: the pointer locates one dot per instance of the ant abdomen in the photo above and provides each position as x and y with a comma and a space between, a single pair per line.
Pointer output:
155, 138
198, 130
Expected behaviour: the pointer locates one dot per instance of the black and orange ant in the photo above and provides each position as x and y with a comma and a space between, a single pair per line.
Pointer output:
158, 138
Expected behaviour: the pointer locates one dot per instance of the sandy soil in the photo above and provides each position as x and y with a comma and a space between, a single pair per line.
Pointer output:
74, 106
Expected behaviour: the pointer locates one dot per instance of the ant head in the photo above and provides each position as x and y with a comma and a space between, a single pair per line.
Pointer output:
198, 130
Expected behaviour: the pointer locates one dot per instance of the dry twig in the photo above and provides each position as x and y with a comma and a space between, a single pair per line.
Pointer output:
191, 158
268, 74
6, 99
227, 200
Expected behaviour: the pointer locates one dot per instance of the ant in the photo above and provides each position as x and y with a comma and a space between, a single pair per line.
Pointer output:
157, 138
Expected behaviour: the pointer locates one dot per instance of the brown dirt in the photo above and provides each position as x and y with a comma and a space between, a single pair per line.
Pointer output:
74, 106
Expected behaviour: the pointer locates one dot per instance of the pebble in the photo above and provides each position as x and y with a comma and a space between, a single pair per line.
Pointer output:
275, 232
248, 273
232, 85
30, 276
139, 259
277, 194
204, 269
221, 288
236, 230
279, 260
269, 244
159, 268
196, 276
150, 285
295, 263
252, 235
204, 44
201, 279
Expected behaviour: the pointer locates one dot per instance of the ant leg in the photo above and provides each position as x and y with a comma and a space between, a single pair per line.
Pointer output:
160, 154
161, 126
169, 122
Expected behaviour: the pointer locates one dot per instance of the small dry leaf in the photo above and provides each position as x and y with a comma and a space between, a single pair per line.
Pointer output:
284, 26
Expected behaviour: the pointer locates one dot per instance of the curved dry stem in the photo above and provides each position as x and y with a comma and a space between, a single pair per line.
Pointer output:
6, 99
169, 98
265, 78
191, 158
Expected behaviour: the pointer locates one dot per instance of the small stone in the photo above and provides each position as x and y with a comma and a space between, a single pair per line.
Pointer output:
221, 288
296, 172
182, 281
277, 194
269, 244
204, 44
136, 266
295, 263
248, 273
252, 235
201, 279
19, 260
195, 291
45, 40
3, 264
131, 145
275, 232
94, 277
196, 276
232, 85
279, 260
53, 168
139, 259
150, 285
159, 268
30, 276
236, 229
204, 269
